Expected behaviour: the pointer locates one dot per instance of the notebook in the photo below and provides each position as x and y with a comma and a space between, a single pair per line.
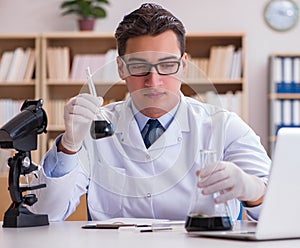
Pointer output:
279, 217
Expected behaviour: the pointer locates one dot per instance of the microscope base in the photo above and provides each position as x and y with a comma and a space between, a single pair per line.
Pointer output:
21, 217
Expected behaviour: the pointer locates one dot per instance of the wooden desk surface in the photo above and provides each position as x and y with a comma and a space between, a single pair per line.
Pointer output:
70, 234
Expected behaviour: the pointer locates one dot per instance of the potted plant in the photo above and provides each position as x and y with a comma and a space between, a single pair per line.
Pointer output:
87, 11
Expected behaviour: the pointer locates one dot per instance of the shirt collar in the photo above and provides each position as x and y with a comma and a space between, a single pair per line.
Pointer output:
164, 120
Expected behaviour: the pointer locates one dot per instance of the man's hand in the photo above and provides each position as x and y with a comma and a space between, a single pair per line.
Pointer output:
232, 182
78, 115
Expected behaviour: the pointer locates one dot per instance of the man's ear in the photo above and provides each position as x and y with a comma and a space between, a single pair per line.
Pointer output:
121, 68
185, 63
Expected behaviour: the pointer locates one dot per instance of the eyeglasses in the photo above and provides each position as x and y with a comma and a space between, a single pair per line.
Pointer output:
144, 69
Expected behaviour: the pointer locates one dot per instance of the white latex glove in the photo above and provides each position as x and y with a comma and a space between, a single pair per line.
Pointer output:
79, 112
231, 181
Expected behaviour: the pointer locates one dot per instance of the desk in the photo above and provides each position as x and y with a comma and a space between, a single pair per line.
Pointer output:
69, 234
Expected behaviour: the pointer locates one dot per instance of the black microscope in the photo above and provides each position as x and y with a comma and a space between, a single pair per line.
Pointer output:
20, 133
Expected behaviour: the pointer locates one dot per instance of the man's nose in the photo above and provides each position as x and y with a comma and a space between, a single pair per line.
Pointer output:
153, 78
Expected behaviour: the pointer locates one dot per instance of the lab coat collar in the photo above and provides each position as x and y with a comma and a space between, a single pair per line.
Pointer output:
127, 125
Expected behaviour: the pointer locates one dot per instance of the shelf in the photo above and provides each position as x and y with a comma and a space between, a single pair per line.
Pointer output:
12, 91
80, 83
187, 81
213, 81
18, 83
199, 44
284, 96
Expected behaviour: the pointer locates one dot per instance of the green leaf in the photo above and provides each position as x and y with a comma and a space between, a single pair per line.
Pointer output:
99, 12
67, 4
103, 1
85, 8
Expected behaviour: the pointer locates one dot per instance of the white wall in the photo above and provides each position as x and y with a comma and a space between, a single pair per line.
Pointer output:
31, 16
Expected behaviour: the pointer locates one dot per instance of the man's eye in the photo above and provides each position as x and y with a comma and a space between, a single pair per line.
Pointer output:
167, 65
139, 66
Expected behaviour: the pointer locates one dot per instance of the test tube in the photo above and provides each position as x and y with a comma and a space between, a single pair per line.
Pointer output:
99, 128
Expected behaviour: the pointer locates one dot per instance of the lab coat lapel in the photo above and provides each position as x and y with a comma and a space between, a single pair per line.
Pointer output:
173, 134
127, 129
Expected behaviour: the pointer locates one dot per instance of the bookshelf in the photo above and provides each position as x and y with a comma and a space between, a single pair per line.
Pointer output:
202, 46
14, 88
59, 89
284, 93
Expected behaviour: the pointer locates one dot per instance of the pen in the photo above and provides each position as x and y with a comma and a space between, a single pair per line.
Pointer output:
144, 228
168, 223
113, 226
154, 229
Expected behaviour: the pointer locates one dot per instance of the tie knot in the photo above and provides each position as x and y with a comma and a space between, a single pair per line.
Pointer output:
153, 123
152, 131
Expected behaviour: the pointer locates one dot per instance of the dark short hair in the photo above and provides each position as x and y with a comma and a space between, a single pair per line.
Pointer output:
149, 19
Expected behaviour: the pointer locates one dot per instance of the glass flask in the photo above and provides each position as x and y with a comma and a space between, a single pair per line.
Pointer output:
204, 213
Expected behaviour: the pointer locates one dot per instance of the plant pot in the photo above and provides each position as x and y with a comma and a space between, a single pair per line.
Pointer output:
86, 24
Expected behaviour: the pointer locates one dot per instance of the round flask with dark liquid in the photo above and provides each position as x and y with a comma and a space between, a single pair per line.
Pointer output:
101, 129
205, 223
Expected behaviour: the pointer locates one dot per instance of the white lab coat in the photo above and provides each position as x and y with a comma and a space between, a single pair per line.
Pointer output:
124, 179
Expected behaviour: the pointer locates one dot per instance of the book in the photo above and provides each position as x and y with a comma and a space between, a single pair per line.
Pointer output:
30, 66
197, 68
15, 65
236, 67
296, 112
287, 75
64, 57
96, 62
110, 69
277, 113
277, 73
296, 74
23, 65
212, 62
5, 64
228, 52
51, 67
287, 113
221, 62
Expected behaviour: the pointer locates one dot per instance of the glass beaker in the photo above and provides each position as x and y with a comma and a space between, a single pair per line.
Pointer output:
204, 213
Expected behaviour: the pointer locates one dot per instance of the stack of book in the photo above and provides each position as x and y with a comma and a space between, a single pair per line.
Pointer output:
17, 65
229, 101
286, 113
285, 89
197, 68
8, 109
103, 67
286, 74
224, 62
62, 67
55, 111
58, 63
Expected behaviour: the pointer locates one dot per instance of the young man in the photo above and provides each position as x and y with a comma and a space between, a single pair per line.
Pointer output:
145, 172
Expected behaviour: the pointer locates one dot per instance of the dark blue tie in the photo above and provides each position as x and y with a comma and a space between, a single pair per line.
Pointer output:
151, 132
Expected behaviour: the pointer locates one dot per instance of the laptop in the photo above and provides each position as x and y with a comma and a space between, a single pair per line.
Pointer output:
279, 217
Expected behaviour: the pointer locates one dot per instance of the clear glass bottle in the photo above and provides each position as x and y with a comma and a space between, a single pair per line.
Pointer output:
204, 213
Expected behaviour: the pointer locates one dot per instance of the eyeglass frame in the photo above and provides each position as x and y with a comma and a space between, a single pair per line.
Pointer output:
153, 65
